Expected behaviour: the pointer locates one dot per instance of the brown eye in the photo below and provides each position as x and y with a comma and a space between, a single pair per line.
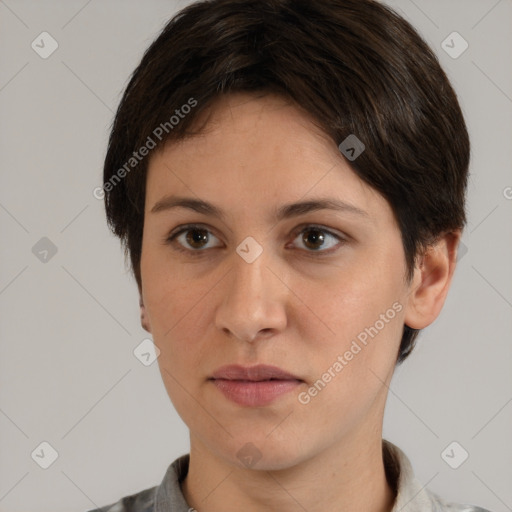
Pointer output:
192, 239
318, 239
197, 237
313, 238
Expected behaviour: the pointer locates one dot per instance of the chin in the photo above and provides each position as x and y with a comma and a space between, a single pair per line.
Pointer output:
266, 455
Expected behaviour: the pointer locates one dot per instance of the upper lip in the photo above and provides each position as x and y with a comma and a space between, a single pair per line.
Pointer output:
252, 373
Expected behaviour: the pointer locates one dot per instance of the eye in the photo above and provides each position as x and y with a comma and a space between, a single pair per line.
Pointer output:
192, 238
195, 238
318, 239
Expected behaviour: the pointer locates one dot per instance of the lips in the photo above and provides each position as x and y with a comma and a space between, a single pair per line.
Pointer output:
254, 386
257, 373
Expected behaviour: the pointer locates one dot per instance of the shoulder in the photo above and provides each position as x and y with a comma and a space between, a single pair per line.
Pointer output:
411, 494
441, 505
142, 501
166, 496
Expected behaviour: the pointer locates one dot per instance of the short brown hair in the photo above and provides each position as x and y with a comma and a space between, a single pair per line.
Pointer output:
355, 66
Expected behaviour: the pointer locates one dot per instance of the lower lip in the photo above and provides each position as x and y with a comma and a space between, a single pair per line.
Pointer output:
254, 394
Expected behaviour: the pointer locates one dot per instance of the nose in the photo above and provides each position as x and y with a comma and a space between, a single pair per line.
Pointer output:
254, 299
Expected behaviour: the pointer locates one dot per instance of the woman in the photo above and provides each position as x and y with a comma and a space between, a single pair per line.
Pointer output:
288, 179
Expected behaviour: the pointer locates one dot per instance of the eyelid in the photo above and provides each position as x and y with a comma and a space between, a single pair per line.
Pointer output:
184, 227
321, 227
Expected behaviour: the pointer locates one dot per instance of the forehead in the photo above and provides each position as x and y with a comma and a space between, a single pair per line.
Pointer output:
255, 151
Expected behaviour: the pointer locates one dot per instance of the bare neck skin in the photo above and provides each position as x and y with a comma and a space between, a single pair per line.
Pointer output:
349, 476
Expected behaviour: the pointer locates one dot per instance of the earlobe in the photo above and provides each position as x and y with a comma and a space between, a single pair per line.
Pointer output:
431, 282
143, 316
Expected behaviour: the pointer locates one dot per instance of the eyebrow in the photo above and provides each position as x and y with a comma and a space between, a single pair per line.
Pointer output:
286, 211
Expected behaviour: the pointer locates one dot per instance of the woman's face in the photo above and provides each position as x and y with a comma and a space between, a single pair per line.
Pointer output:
316, 292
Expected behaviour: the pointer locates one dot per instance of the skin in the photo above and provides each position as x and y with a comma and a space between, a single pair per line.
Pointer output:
291, 307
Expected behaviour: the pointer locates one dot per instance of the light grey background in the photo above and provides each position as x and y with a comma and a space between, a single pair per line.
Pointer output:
68, 375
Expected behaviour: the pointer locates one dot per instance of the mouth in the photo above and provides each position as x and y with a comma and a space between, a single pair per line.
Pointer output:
254, 386
258, 373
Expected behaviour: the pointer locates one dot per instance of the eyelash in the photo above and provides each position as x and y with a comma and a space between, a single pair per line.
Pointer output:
301, 229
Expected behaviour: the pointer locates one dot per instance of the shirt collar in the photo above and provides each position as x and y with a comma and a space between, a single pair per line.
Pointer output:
411, 495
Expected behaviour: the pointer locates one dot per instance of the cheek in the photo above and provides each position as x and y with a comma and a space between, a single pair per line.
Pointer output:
353, 299
180, 337
166, 294
362, 322
171, 307
349, 369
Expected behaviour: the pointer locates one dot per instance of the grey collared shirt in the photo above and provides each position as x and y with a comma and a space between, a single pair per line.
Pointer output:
412, 496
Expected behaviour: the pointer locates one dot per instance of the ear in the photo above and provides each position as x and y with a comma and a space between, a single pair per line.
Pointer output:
432, 278
143, 315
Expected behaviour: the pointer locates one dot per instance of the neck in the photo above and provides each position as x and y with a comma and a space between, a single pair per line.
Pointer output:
347, 476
